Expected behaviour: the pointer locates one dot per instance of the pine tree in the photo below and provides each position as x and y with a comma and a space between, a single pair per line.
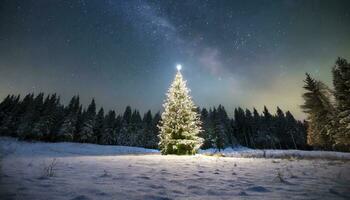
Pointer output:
268, 128
320, 113
218, 136
295, 132
280, 129
239, 126
135, 129
98, 126
124, 137
79, 124
47, 119
87, 129
68, 128
109, 132
256, 125
223, 118
206, 133
341, 82
9, 108
155, 129
249, 127
30, 117
180, 123
118, 127
148, 138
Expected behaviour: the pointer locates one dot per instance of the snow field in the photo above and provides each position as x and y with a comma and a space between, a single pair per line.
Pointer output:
85, 171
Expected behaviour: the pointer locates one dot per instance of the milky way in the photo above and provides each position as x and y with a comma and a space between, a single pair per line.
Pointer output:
235, 53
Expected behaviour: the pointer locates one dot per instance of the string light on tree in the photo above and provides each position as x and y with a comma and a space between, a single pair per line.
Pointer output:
180, 123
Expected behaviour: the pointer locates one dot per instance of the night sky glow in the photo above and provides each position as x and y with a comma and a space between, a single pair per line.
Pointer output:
234, 53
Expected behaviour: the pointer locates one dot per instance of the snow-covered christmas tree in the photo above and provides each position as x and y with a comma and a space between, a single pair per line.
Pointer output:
180, 123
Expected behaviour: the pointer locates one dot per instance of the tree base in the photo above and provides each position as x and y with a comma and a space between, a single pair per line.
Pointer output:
179, 149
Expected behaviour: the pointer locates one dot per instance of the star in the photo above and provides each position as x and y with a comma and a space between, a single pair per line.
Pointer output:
178, 67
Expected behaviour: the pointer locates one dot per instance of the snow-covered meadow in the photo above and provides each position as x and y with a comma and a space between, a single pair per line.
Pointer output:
86, 171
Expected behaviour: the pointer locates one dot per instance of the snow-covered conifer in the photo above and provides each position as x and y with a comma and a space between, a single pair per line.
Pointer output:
180, 123
341, 82
69, 126
87, 129
109, 133
320, 113
98, 126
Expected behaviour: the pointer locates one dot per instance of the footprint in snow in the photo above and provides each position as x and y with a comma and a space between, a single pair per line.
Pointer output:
258, 189
242, 193
105, 174
102, 194
144, 177
204, 179
164, 172
156, 186
193, 187
195, 175
213, 192
177, 191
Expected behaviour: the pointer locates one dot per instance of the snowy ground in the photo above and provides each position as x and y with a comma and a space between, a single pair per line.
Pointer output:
85, 171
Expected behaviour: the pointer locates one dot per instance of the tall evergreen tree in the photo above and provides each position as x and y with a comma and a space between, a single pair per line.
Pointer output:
180, 123
295, 132
223, 118
135, 129
108, 135
239, 126
124, 137
249, 121
268, 129
118, 127
30, 117
9, 109
148, 138
256, 124
219, 136
89, 119
79, 124
320, 113
48, 118
341, 82
155, 129
98, 126
206, 134
280, 129
68, 128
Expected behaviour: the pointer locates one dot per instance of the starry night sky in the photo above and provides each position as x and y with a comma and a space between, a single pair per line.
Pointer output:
235, 53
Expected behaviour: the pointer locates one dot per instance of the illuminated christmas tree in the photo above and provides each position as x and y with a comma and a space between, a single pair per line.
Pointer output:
180, 123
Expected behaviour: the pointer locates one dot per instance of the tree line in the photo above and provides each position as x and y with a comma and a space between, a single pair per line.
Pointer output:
40, 117
46, 119
251, 129
328, 109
